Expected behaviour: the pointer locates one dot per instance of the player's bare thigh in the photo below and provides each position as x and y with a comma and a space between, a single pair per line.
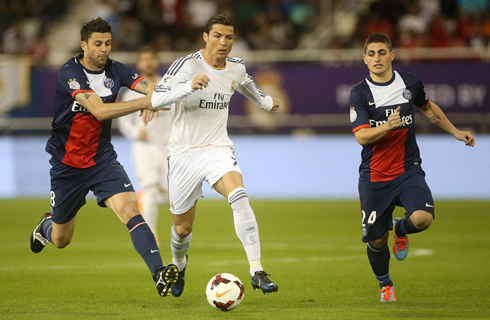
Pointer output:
124, 205
229, 182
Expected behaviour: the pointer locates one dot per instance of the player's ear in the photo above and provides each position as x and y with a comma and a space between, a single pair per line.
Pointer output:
83, 45
364, 57
205, 36
392, 55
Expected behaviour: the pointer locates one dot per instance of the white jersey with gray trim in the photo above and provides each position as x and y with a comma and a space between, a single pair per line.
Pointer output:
199, 117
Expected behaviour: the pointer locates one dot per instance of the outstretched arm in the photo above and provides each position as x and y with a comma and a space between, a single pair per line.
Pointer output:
437, 117
104, 111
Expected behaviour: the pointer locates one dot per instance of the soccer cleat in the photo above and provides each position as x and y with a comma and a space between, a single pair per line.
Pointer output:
400, 244
38, 239
387, 293
165, 278
178, 287
261, 281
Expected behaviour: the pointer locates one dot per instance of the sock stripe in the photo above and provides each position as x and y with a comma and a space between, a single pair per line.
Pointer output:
237, 196
136, 226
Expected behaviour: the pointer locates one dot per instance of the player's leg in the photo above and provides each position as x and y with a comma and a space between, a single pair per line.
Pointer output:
416, 197
124, 205
231, 187
67, 197
185, 188
377, 205
113, 189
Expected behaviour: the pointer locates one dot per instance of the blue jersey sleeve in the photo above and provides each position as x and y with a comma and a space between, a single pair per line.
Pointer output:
421, 99
128, 77
72, 81
359, 116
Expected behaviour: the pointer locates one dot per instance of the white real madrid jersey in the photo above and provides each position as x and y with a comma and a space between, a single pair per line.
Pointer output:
199, 117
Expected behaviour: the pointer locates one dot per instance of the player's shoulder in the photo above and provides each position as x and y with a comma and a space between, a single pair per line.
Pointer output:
182, 61
408, 77
359, 87
235, 61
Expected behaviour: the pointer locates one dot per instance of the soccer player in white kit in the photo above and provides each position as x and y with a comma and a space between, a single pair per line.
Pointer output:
201, 86
149, 145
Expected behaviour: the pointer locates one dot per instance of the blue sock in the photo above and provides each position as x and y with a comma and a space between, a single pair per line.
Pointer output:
47, 228
405, 226
379, 258
144, 242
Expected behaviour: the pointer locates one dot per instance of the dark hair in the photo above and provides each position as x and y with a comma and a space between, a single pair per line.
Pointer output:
220, 18
376, 37
94, 25
147, 49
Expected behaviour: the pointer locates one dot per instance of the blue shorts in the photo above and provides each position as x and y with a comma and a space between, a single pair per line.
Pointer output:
70, 186
378, 201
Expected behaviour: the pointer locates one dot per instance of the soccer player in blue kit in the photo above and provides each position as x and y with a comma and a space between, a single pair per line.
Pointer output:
83, 157
382, 118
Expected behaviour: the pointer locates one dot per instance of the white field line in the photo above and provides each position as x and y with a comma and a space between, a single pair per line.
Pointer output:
416, 252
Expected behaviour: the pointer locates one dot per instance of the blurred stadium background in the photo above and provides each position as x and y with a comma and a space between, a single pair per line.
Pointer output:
306, 53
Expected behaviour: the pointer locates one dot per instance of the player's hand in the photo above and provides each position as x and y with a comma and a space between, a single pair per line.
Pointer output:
200, 82
466, 137
147, 115
394, 120
275, 104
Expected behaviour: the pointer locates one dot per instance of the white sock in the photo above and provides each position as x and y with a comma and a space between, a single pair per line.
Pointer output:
179, 246
246, 227
149, 207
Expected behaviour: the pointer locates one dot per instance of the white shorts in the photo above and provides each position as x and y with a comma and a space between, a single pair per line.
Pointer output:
188, 170
150, 164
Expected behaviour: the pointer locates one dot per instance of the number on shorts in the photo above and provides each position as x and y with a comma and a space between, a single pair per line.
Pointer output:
51, 199
371, 219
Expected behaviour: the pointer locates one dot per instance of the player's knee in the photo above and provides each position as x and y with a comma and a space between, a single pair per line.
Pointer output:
183, 229
61, 241
380, 242
422, 219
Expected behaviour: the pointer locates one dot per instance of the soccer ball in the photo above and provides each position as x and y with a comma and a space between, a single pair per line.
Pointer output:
225, 292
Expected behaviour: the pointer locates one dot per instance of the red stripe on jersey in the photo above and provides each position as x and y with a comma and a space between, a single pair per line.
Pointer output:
83, 141
79, 91
135, 83
360, 127
388, 158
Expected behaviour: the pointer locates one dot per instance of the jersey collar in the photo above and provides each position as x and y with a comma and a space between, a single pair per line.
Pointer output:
383, 83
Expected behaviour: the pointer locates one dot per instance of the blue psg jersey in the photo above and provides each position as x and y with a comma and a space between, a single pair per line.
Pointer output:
78, 139
371, 104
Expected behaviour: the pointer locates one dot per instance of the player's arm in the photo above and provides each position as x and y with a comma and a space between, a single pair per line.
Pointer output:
437, 117
249, 89
365, 136
104, 111
144, 86
175, 87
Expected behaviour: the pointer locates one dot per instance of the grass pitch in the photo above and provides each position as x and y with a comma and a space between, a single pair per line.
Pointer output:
312, 249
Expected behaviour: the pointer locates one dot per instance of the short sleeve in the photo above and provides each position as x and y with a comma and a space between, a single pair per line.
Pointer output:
421, 99
359, 116
73, 81
128, 77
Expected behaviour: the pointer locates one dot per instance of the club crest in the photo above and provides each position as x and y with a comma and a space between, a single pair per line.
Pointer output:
73, 84
407, 94
233, 86
108, 83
